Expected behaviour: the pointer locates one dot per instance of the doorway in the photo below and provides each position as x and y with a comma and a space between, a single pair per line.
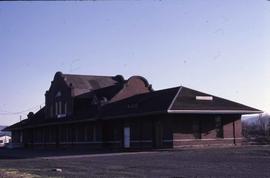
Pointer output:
158, 134
126, 137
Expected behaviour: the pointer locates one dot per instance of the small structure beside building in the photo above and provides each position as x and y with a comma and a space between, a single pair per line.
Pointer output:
4, 139
99, 112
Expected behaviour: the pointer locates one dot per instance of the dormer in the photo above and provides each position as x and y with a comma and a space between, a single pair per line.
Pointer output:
66, 87
58, 98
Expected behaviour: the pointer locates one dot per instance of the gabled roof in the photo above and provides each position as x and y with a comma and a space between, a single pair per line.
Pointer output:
81, 84
107, 92
147, 103
180, 100
89, 82
174, 100
191, 101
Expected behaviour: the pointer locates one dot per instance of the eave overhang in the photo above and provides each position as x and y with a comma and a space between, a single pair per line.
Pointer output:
214, 112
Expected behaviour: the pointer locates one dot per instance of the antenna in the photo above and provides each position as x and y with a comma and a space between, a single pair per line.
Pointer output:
20, 118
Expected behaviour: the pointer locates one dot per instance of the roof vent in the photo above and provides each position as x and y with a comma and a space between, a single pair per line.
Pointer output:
204, 98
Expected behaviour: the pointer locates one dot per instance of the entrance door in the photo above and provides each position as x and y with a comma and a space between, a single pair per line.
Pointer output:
157, 134
126, 137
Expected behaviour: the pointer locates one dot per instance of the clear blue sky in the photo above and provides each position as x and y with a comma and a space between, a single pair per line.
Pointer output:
219, 47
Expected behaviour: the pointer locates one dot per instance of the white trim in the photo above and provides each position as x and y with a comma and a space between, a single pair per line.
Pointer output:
205, 139
213, 111
175, 98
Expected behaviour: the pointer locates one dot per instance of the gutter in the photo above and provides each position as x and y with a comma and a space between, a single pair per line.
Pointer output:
214, 112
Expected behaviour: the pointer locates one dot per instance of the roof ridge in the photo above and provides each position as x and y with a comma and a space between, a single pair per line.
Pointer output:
82, 75
221, 98
178, 92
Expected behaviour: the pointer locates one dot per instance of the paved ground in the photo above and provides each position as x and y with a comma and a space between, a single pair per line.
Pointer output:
252, 161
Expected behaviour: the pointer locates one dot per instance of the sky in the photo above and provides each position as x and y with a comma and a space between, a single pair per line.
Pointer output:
218, 47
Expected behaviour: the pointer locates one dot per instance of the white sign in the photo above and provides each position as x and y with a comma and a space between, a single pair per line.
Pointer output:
205, 98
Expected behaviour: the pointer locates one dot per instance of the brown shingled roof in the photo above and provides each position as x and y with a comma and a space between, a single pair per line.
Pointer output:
174, 100
85, 83
152, 102
191, 101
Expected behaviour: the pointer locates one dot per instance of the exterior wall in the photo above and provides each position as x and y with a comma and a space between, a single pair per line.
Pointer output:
238, 131
16, 134
63, 136
141, 133
173, 131
58, 85
112, 134
161, 131
183, 130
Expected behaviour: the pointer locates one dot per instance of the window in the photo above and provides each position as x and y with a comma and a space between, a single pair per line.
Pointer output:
219, 127
60, 110
1, 141
58, 94
51, 110
56, 108
59, 107
65, 108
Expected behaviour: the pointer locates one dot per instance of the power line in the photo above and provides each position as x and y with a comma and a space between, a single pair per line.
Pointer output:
2, 112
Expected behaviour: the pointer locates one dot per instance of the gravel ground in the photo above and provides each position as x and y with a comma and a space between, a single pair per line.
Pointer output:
249, 161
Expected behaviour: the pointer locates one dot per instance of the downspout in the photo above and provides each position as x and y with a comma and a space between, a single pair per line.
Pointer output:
234, 142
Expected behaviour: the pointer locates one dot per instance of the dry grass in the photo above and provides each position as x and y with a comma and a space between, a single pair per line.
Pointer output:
13, 173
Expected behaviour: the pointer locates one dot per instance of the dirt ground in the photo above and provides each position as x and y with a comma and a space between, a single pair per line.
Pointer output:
248, 161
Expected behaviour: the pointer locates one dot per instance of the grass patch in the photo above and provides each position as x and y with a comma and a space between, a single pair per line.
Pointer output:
13, 173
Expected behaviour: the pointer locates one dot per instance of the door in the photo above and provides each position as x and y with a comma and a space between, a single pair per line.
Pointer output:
157, 134
126, 137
